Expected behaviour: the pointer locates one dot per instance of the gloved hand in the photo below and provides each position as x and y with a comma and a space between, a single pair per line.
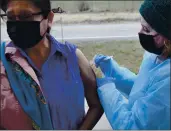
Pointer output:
122, 77
107, 65
100, 58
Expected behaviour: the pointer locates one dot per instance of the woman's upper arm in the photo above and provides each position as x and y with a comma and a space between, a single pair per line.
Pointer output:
89, 79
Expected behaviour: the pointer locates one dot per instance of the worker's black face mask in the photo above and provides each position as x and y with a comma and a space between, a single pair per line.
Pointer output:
148, 43
24, 34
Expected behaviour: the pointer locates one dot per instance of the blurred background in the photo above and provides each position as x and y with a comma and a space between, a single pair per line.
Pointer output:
99, 27
96, 6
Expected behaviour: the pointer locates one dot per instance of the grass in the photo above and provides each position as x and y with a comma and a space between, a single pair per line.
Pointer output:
96, 17
127, 53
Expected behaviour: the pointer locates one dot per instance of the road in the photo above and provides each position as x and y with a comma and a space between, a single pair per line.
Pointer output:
103, 124
123, 31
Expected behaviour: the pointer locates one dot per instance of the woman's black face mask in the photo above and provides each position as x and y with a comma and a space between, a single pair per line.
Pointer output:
24, 34
148, 43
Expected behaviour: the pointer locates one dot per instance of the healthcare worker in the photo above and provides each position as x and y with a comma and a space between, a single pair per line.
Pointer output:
147, 103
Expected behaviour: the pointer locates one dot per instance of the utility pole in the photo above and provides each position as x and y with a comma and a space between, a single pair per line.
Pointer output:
62, 28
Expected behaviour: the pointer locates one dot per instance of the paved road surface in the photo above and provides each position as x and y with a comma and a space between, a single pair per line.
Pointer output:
92, 32
102, 124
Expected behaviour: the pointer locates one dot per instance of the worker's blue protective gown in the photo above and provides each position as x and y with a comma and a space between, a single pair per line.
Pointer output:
133, 101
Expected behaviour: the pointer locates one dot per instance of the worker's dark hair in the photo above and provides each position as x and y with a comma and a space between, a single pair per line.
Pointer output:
44, 5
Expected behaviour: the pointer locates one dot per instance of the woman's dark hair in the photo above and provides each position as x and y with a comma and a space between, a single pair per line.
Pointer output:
44, 5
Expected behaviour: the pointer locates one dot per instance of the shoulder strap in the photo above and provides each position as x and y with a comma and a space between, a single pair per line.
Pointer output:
2, 49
